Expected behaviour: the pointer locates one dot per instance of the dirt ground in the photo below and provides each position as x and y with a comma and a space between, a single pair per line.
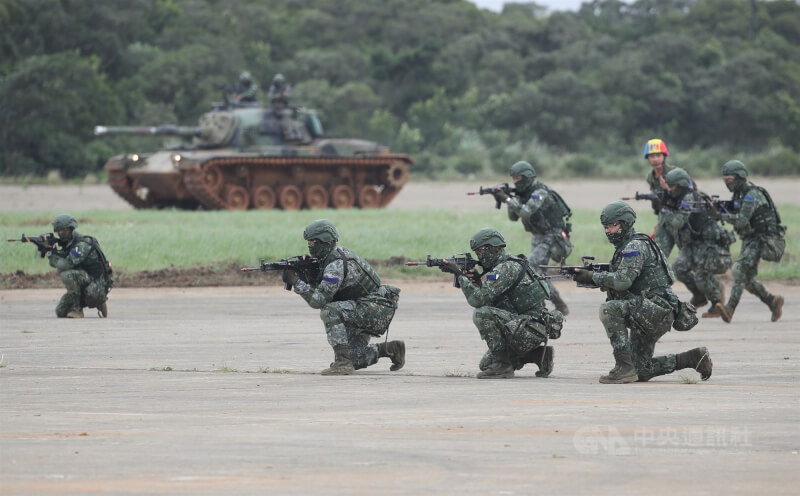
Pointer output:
216, 391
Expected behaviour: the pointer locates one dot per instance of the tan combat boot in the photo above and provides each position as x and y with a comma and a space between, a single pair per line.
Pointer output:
776, 305
103, 310
341, 362
623, 372
75, 314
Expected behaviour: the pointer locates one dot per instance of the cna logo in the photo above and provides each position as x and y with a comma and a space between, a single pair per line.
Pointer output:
597, 439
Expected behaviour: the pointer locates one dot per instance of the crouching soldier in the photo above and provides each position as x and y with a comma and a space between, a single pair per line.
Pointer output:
83, 268
353, 304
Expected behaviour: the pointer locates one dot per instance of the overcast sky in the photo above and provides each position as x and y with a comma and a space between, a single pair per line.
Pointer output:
497, 5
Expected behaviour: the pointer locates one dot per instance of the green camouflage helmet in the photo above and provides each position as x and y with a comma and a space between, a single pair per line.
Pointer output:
678, 177
734, 168
618, 211
279, 79
522, 168
321, 230
487, 236
64, 221
245, 77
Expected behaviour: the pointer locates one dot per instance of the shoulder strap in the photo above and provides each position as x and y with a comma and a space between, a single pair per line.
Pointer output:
563, 203
660, 254
96, 247
771, 203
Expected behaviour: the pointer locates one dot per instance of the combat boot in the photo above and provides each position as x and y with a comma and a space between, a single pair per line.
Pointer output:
396, 350
776, 305
713, 312
698, 299
623, 372
341, 362
500, 368
103, 310
75, 314
697, 359
543, 357
725, 311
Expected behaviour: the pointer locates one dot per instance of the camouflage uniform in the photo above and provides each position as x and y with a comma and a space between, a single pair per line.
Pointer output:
543, 212
84, 272
279, 92
757, 223
703, 243
640, 298
510, 314
662, 233
353, 304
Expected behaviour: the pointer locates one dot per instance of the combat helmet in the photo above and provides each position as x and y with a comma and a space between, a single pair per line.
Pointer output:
64, 221
245, 77
495, 245
321, 230
734, 168
618, 211
655, 145
522, 168
678, 177
278, 79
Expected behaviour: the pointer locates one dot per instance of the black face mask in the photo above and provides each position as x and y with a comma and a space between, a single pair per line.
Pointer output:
321, 250
618, 237
491, 256
735, 184
678, 192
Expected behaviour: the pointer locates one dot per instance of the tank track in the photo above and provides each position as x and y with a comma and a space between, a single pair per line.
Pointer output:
194, 174
122, 186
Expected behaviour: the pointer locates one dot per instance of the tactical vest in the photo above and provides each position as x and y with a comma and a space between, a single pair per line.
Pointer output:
765, 219
368, 282
528, 291
96, 266
551, 215
653, 275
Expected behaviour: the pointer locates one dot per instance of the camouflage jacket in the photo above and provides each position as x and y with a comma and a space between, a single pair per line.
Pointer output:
337, 282
501, 288
540, 210
655, 187
756, 215
79, 254
690, 224
638, 267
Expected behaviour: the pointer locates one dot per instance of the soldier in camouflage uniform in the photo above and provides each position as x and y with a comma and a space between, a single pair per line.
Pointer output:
703, 243
246, 90
656, 152
279, 92
83, 268
758, 224
640, 299
353, 304
509, 309
544, 214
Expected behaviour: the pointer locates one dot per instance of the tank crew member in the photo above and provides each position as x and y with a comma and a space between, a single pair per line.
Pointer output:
246, 90
279, 92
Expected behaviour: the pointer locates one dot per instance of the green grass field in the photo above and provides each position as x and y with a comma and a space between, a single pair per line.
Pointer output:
155, 239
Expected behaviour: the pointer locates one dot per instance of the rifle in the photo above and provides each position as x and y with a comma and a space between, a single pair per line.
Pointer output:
45, 242
464, 261
715, 206
492, 190
307, 268
655, 199
568, 271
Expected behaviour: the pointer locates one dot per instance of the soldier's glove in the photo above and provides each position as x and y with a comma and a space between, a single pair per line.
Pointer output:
450, 267
583, 276
289, 277
500, 196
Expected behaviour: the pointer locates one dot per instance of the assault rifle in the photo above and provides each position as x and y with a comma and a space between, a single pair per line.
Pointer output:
656, 199
493, 190
307, 268
45, 242
715, 206
568, 271
464, 261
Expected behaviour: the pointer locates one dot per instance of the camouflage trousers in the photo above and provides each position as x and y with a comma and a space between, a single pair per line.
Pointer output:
353, 323
616, 318
503, 330
546, 247
745, 270
664, 238
82, 291
695, 268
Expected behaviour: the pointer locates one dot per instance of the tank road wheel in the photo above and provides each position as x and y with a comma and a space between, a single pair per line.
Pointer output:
212, 177
290, 197
369, 196
264, 197
316, 196
396, 175
236, 197
342, 196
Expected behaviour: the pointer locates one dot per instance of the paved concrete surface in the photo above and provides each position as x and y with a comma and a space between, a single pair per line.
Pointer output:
215, 391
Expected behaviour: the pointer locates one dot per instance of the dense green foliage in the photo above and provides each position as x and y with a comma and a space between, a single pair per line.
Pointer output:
192, 239
463, 90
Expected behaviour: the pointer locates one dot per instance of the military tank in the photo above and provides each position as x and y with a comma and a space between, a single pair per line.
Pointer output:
242, 157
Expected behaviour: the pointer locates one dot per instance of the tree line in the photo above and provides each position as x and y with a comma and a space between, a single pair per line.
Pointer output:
463, 90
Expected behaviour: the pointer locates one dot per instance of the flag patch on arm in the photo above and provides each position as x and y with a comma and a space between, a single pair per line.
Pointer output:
492, 277
630, 253
330, 279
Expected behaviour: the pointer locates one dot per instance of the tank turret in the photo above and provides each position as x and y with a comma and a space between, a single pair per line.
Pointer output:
256, 157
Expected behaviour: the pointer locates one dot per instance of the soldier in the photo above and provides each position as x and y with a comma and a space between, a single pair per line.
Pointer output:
639, 298
544, 214
509, 309
246, 90
83, 268
703, 243
353, 304
279, 92
655, 152
758, 224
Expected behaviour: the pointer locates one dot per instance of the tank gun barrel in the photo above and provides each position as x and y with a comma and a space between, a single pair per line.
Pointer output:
162, 130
